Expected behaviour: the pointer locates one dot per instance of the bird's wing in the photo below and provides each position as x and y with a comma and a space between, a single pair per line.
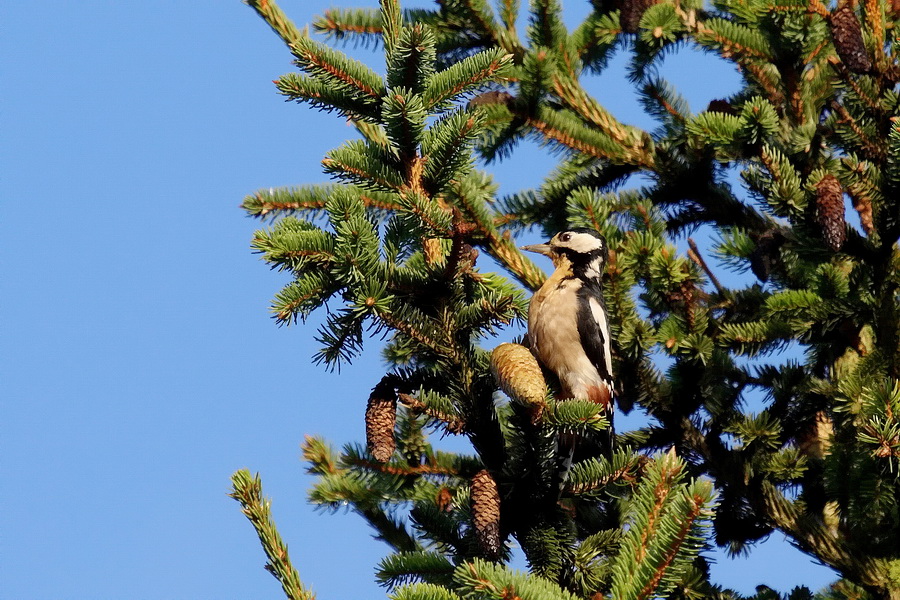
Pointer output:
593, 328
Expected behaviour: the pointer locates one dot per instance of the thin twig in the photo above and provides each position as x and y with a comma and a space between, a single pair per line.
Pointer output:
694, 255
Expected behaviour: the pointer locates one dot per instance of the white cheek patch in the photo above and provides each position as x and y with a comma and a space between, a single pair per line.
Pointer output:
599, 315
583, 243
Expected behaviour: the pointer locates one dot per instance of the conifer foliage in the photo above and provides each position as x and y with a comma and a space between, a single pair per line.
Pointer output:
393, 244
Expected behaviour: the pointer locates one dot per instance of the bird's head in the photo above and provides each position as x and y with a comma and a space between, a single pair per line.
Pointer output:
582, 248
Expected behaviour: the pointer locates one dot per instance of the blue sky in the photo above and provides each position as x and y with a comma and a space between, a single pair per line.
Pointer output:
140, 367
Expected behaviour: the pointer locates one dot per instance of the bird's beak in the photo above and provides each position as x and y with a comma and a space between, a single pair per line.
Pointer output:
539, 248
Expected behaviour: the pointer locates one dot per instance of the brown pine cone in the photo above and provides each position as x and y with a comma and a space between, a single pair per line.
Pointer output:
863, 206
444, 500
722, 106
381, 414
631, 13
816, 437
493, 97
848, 39
766, 255
830, 211
486, 513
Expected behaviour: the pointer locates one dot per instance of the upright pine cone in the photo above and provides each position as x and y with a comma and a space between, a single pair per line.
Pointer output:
631, 12
381, 414
519, 375
848, 39
830, 211
486, 513
412, 444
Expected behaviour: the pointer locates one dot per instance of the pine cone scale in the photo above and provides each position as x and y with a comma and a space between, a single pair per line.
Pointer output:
381, 416
486, 513
848, 40
830, 212
519, 375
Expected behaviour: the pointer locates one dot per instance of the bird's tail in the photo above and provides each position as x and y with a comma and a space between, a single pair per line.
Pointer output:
572, 447
565, 451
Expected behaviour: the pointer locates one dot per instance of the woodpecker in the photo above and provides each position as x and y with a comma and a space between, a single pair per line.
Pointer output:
568, 328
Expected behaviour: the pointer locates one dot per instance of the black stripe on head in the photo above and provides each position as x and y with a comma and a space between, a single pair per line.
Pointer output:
586, 250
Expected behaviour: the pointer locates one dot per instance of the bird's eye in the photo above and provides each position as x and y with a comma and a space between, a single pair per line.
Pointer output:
565, 237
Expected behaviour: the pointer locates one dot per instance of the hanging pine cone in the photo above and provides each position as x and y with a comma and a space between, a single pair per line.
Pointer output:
687, 292
381, 414
722, 106
486, 513
848, 39
631, 13
519, 375
766, 254
830, 211
493, 97
863, 206
816, 437
444, 500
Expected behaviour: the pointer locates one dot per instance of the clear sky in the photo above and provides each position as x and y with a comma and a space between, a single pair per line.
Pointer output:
140, 367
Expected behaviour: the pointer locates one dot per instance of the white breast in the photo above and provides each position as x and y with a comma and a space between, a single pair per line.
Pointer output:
555, 340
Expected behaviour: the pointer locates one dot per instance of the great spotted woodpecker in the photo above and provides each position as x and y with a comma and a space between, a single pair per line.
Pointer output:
568, 328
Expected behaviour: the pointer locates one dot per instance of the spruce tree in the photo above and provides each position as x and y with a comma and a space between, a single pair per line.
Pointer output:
774, 170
